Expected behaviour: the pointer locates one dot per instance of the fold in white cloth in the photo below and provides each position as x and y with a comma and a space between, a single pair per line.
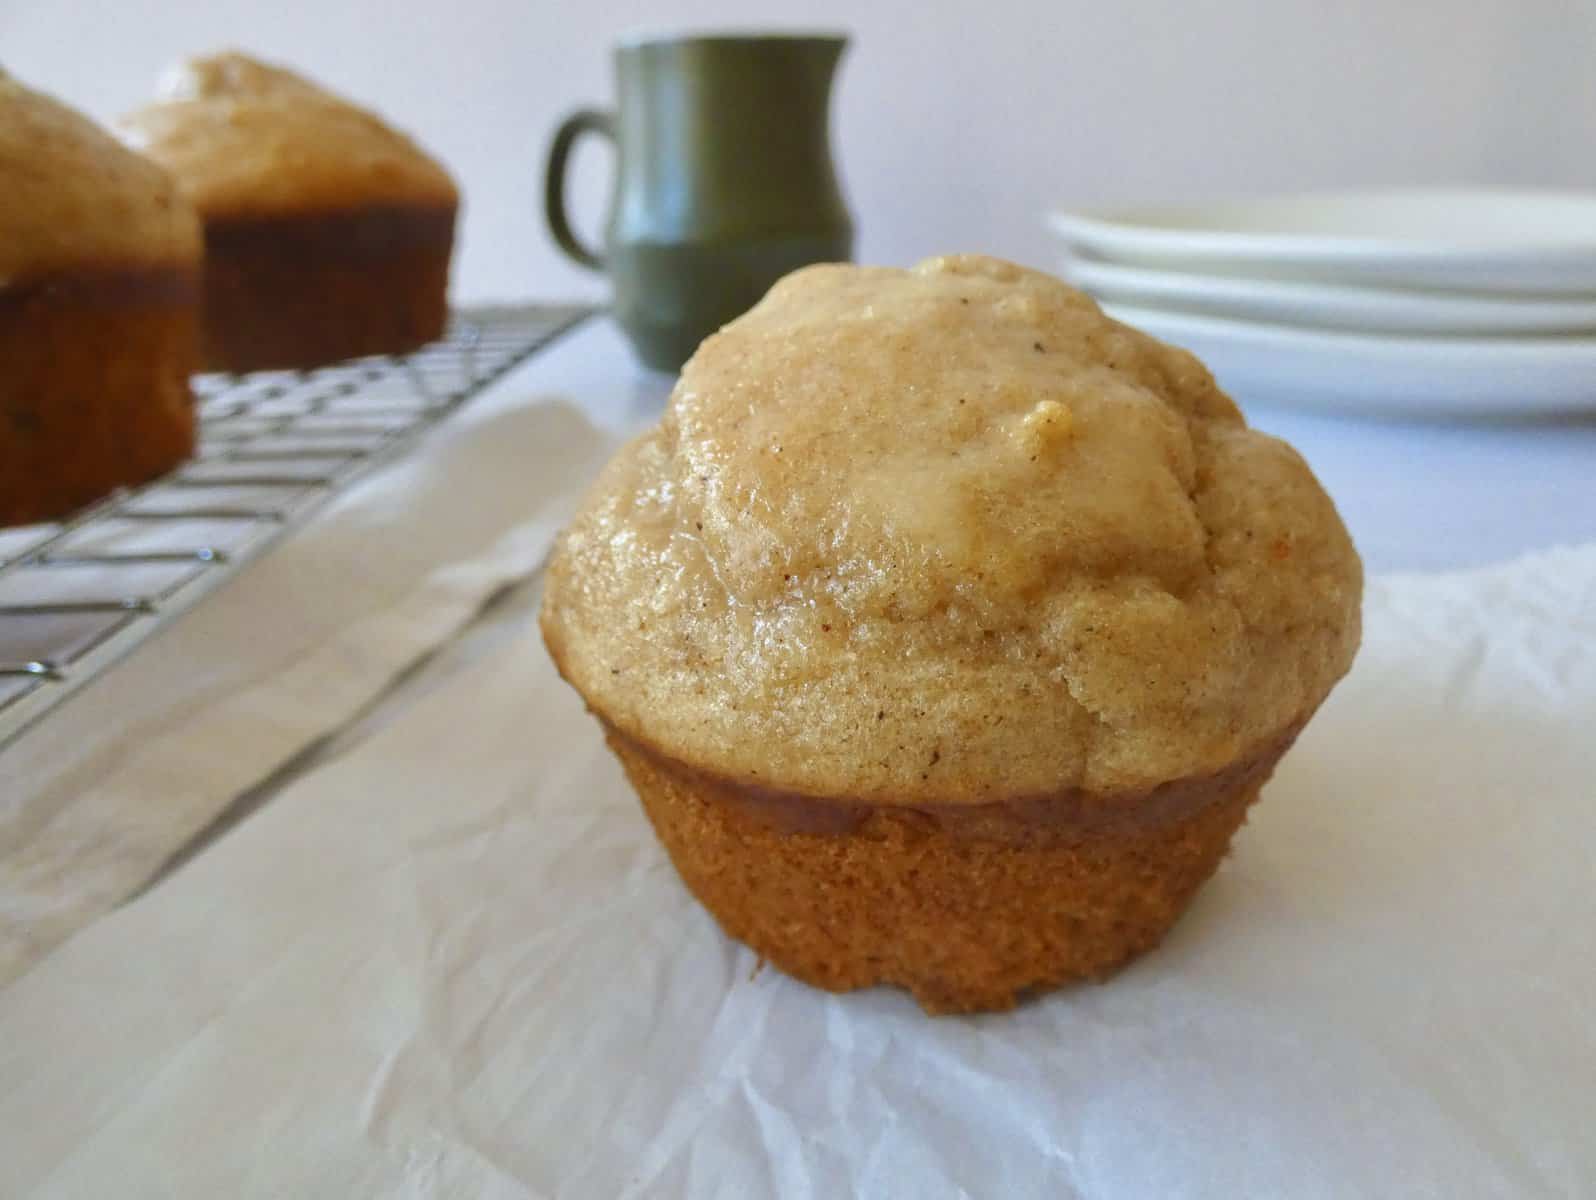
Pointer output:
455, 962
97, 798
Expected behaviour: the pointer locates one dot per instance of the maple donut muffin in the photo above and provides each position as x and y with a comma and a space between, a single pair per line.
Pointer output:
99, 311
947, 628
328, 233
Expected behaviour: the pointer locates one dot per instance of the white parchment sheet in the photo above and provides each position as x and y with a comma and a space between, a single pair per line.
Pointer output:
456, 963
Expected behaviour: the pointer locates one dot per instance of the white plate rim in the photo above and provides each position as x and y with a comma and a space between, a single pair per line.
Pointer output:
1339, 307
1160, 223
1434, 377
1152, 234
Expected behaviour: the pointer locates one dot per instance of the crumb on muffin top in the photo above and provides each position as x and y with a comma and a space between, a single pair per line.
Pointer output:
951, 535
72, 198
248, 139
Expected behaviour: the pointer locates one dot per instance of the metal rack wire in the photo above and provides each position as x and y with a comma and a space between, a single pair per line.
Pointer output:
274, 447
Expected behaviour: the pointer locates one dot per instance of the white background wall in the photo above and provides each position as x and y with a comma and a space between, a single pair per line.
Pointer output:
955, 127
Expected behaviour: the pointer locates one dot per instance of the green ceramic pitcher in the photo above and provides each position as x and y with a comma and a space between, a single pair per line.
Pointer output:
724, 184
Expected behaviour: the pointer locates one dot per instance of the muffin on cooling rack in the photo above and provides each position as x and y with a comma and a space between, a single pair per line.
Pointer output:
328, 234
99, 311
947, 628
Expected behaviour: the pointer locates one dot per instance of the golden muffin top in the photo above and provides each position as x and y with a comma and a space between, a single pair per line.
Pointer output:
73, 198
246, 139
951, 535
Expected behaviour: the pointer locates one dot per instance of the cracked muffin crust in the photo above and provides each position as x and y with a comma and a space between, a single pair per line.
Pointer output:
944, 572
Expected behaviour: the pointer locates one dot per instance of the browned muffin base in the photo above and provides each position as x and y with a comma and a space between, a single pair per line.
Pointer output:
94, 391
969, 909
307, 290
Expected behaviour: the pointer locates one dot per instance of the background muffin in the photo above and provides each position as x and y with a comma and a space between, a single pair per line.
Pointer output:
99, 293
947, 628
328, 234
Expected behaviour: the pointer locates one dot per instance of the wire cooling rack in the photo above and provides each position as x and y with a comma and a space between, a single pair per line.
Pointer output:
274, 447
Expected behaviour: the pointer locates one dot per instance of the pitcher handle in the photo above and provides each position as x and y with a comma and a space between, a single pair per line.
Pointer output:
587, 120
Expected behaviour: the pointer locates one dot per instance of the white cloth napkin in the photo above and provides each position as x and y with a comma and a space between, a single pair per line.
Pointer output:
455, 963
96, 799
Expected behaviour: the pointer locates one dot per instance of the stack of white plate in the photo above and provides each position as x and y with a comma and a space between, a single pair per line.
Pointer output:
1435, 301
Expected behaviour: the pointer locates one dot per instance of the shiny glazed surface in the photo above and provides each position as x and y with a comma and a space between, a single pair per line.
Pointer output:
950, 535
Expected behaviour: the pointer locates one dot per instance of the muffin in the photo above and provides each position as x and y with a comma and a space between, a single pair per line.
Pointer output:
327, 233
947, 628
99, 311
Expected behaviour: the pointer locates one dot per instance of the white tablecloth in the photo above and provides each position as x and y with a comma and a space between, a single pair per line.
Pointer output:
1430, 900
